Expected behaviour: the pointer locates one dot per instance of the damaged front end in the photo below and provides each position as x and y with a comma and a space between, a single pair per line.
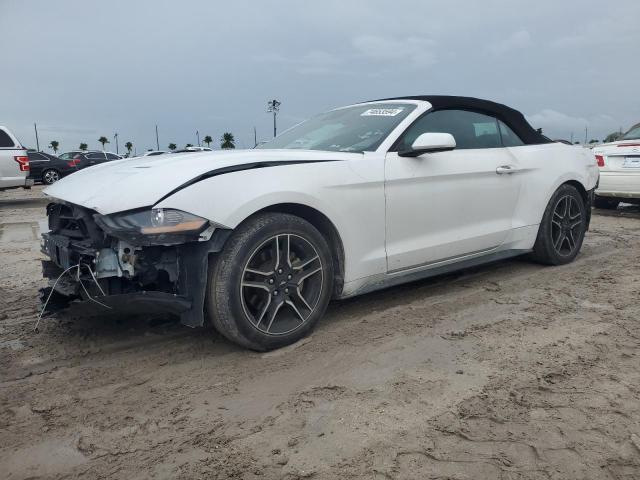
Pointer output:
140, 261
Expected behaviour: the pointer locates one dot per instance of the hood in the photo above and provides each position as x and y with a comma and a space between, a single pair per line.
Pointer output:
621, 147
141, 182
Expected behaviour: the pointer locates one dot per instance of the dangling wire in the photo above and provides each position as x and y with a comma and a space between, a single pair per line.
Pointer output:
35, 328
78, 266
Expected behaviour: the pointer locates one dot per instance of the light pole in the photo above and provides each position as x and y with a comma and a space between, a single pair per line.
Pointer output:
198, 137
37, 142
115, 137
274, 106
157, 141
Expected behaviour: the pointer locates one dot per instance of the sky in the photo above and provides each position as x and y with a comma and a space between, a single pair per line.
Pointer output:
82, 69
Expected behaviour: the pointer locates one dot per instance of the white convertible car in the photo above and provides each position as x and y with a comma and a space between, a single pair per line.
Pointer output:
353, 200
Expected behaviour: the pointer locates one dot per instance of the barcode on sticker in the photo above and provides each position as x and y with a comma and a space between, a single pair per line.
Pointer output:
382, 112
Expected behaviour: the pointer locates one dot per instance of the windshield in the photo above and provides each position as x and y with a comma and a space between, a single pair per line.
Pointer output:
361, 128
633, 134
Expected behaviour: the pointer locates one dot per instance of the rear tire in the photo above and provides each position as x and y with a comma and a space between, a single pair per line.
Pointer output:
562, 228
272, 282
606, 203
50, 176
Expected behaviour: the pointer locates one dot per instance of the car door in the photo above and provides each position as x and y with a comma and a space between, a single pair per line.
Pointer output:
446, 205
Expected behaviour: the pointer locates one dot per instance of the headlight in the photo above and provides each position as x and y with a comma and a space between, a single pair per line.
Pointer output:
170, 221
156, 225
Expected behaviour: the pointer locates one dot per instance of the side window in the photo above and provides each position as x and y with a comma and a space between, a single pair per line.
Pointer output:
5, 140
509, 137
96, 156
112, 156
470, 129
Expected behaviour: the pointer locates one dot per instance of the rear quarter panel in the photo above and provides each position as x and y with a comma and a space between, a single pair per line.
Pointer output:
545, 168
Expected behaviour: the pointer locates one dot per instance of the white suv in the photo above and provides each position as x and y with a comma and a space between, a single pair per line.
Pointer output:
14, 162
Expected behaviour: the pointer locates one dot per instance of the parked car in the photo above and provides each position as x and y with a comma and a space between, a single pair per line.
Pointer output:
356, 199
89, 159
619, 164
14, 162
153, 153
193, 149
69, 155
47, 168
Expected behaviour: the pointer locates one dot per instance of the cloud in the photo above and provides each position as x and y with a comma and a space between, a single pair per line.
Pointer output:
516, 41
65, 129
558, 124
315, 62
418, 52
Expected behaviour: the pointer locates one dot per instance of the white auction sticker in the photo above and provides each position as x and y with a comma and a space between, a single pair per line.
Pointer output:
381, 112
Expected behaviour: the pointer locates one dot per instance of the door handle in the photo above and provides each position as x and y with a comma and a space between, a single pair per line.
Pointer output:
506, 169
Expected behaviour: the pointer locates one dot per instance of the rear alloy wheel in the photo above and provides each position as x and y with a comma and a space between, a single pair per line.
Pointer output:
271, 283
50, 176
562, 229
606, 203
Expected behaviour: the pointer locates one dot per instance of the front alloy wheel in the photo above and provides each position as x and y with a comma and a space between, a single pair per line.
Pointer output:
281, 284
271, 283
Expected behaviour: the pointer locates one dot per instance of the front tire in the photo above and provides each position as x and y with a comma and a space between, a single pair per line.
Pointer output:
562, 229
272, 282
606, 203
50, 176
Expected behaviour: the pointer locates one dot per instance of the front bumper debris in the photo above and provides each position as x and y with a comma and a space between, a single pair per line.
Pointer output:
91, 272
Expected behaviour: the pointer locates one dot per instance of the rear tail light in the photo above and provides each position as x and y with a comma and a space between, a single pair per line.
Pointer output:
600, 160
23, 161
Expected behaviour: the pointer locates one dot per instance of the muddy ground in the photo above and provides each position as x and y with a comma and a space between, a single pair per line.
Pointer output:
508, 371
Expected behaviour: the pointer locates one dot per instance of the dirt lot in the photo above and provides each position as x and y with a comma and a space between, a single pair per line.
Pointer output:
509, 371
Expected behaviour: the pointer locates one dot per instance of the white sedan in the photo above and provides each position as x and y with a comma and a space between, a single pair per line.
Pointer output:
353, 200
619, 164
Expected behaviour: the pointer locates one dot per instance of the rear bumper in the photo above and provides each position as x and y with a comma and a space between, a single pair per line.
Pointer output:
619, 185
14, 182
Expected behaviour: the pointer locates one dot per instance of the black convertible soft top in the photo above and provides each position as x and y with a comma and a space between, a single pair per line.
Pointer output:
513, 118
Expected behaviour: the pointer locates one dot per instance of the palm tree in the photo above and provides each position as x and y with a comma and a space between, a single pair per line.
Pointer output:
128, 146
208, 140
103, 140
228, 141
172, 146
188, 145
83, 146
54, 144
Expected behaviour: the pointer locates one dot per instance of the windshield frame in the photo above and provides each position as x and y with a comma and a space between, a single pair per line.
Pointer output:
421, 107
632, 129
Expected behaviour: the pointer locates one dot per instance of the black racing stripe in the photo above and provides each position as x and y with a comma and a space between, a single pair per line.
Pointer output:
238, 168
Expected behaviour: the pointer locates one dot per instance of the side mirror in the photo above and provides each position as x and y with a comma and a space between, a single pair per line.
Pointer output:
430, 142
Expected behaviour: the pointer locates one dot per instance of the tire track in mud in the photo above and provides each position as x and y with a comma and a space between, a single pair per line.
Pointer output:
374, 393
